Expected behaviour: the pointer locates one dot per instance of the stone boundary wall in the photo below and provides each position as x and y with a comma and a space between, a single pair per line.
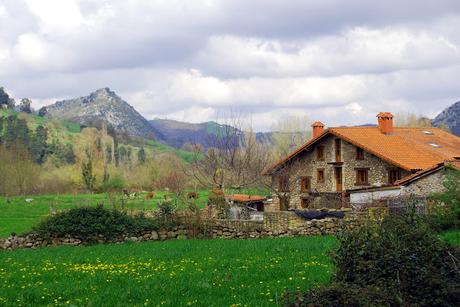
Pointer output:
275, 224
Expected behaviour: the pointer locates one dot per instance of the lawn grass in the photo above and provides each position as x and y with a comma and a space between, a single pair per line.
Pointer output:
19, 216
452, 236
170, 273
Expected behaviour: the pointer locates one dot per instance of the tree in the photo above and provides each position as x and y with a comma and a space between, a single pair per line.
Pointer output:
141, 156
43, 111
288, 134
5, 100
25, 105
234, 159
38, 144
18, 173
1, 129
87, 174
412, 120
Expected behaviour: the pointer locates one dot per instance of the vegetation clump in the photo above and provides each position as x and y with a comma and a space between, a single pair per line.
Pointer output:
92, 224
400, 262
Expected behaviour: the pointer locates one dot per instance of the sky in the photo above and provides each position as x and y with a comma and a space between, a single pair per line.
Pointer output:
337, 61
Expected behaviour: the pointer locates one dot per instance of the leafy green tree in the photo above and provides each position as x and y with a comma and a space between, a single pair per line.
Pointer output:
141, 156
25, 105
38, 144
5, 100
87, 173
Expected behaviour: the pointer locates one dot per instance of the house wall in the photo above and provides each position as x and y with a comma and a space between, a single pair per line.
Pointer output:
306, 164
367, 197
427, 185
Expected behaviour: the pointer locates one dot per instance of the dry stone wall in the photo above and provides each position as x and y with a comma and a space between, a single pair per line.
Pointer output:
275, 224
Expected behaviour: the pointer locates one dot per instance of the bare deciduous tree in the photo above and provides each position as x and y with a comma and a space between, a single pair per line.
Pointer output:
234, 158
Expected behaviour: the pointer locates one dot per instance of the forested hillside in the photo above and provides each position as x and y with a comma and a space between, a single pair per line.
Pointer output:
44, 155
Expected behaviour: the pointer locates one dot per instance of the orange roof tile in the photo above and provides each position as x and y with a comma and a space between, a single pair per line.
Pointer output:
427, 171
243, 198
408, 148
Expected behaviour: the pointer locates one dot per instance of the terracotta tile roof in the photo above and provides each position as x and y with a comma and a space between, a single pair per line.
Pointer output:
409, 148
243, 198
453, 163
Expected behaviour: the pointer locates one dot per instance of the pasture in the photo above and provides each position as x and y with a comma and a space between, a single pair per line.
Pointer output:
169, 273
19, 216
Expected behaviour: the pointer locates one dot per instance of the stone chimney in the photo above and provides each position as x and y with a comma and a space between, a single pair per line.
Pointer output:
385, 121
318, 129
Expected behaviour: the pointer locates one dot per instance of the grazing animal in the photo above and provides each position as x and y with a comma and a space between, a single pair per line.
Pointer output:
149, 195
192, 195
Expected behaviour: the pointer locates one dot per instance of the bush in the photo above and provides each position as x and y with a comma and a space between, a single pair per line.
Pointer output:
448, 203
91, 224
340, 294
402, 257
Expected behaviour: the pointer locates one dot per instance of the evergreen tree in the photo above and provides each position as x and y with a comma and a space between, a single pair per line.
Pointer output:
87, 173
141, 156
38, 144
22, 132
43, 111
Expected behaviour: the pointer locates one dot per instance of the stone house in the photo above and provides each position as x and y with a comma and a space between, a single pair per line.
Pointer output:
338, 160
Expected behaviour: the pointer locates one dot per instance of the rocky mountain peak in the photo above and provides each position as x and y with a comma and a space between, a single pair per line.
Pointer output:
450, 117
106, 106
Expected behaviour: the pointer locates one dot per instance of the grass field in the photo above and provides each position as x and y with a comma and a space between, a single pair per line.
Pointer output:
17, 215
171, 273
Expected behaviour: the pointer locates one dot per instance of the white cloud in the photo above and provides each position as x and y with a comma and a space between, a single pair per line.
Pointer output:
190, 59
355, 51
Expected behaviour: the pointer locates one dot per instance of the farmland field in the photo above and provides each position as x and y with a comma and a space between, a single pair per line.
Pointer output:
18, 216
171, 273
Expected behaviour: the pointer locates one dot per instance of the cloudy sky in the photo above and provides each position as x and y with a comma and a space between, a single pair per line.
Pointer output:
337, 61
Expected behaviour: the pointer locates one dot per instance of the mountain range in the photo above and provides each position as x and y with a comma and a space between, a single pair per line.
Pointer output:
104, 105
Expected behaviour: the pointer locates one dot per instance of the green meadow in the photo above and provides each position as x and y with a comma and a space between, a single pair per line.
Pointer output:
19, 216
169, 273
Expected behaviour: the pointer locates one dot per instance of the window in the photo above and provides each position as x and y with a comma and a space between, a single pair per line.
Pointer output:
284, 183
394, 175
320, 176
338, 150
320, 153
284, 203
305, 203
362, 176
359, 153
305, 184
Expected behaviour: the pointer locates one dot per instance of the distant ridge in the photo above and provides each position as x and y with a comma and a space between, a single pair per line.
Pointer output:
450, 117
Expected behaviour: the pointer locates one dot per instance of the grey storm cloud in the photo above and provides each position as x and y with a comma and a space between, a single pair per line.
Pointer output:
189, 60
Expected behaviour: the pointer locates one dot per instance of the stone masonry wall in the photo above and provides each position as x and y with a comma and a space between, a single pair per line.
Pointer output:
307, 164
425, 186
275, 224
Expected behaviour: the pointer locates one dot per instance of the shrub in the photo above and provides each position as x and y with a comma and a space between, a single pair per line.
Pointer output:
340, 294
216, 199
402, 257
91, 224
448, 202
